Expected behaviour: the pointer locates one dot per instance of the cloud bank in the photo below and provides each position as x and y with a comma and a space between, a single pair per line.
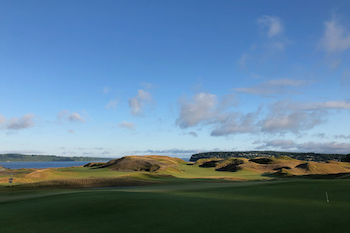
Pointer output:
318, 147
278, 117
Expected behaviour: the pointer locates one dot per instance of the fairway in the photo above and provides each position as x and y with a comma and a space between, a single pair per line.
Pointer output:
183, 206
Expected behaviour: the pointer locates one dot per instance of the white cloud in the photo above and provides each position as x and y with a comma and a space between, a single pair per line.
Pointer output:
62, 114
287, 116
336, 38
2, 119
24, 122
233, 123
278, 144
342, 136
71, 131
200, 109
273, 24
291, 122
138, 102
281, 117
275, 86
164, 152
112, 103
75, 117
327, 105
206, 109
92, 154
194, 134
72, 117
326, 147
128, 125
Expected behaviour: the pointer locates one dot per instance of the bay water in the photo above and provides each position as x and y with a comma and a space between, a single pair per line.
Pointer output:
19, 165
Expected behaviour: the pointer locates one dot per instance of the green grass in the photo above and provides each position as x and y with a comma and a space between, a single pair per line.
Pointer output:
194, 171
188, 172
183, 205
85, 172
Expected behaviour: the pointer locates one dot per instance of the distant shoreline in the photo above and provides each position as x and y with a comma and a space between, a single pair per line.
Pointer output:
46, 158
44, 164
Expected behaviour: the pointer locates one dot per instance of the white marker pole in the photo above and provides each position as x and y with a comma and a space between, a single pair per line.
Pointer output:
327, 197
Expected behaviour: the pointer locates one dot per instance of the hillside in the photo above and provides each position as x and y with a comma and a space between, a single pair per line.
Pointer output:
280, 166
309, 156
45, 158
163, 167
149, 163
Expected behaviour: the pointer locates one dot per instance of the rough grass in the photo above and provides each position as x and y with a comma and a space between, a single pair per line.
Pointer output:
144, 163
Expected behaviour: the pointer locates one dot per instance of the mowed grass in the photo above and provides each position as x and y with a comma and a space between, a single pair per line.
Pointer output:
185, 206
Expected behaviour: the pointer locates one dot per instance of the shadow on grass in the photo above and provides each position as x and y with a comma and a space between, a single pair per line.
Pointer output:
87, 183
280, 174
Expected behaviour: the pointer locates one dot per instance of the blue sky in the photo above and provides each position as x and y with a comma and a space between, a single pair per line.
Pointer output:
115, 78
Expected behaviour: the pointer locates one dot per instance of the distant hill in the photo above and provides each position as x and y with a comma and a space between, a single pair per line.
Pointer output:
309, 156
150, 163
280, 166
45, 158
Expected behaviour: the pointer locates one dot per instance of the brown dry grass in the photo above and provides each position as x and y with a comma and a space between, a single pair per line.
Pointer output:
319, 168
42, 174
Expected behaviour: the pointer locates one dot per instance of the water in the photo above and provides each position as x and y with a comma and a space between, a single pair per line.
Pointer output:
18, 165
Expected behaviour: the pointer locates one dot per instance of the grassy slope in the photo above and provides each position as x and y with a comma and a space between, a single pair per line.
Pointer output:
85, 172
185, 206
194, 171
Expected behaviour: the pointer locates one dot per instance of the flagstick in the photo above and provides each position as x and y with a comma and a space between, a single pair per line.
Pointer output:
327, 197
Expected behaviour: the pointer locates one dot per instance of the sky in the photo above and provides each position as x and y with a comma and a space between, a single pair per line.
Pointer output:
115, 78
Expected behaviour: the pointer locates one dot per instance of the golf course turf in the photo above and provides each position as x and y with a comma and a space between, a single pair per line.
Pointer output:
124, 195
182, 205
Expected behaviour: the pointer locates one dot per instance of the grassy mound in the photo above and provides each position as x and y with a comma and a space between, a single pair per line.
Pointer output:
231, 164
282, 166
319, 168
144, 163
